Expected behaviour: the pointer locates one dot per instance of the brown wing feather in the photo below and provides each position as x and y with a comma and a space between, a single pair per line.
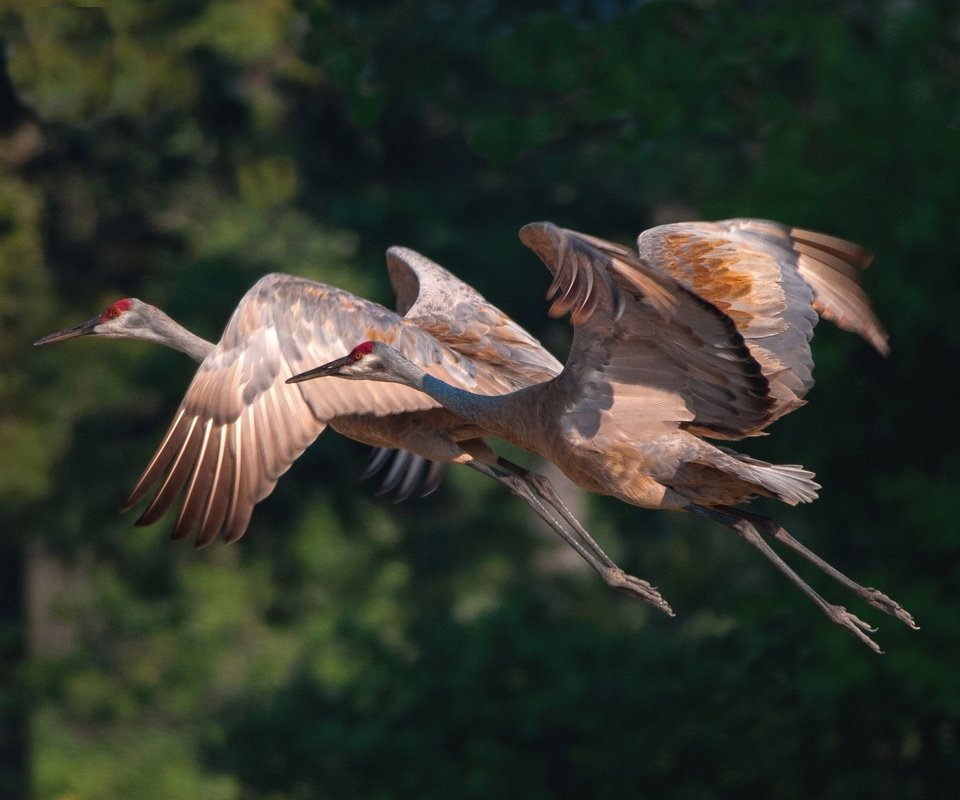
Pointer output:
772, 281
650, 349
831, 268
768, 302
219, 495
460, 317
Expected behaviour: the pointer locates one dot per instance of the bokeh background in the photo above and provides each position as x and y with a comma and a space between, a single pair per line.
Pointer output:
352, 647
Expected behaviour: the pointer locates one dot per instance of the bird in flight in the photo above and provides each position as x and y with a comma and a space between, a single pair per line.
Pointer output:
283, 319
701, 333
132, 318
240, 426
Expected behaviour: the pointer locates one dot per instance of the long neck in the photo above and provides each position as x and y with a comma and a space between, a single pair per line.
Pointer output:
494, 413
173, 334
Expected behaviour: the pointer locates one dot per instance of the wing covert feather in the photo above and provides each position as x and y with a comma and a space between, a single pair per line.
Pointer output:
644, 345
773, 281
457, 315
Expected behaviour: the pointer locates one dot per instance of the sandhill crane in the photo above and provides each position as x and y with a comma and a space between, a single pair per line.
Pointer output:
704, 332
132, 318
240, 427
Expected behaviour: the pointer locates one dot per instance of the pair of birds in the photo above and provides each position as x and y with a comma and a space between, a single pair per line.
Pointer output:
703, 331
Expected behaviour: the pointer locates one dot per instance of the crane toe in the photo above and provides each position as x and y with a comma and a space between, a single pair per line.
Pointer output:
888, 605
618, 579
854, 624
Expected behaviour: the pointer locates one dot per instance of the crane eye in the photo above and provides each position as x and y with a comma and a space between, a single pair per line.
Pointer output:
357, 355
114, 310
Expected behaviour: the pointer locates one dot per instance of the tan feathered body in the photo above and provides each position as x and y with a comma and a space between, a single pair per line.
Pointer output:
702, 333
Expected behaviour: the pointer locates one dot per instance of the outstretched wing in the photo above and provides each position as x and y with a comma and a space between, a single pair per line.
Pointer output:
504, 356
772, 281
646, 350
240, 426
460, 317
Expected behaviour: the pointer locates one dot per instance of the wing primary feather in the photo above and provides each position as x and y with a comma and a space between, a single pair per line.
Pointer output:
266, 438
828, 259
217, 498
586, 301
576, 264
846, 251
395, 473
840, 299
158, 463
176, 477
433, 478
196, 493
247, 488
378, 458
239, 464
239, 524
412, 479
568, 277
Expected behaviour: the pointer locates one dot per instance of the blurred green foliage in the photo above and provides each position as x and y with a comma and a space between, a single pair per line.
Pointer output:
348, 647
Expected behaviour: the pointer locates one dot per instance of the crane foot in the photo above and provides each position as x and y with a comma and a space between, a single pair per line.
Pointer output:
618, 579
854, 624
888, 605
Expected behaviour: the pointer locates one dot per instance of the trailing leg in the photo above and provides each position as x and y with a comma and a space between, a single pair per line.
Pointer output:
735, 519
542, 486
593, 554
874, 597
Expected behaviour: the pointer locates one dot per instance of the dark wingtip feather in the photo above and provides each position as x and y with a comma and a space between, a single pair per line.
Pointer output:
379, 457
406, 473
433, 478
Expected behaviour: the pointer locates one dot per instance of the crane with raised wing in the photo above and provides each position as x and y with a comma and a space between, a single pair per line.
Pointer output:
703, 332
132, 318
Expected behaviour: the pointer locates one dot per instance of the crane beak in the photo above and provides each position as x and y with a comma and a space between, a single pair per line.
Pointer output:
83, 329
333, 368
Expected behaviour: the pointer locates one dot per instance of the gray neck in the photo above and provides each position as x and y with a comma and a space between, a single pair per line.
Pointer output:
517, 416
485, 411
173, 334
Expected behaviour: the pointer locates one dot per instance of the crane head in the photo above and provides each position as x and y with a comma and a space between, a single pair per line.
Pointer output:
367, 361
116, 320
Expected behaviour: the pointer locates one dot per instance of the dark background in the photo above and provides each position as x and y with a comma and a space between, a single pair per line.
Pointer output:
349, 647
